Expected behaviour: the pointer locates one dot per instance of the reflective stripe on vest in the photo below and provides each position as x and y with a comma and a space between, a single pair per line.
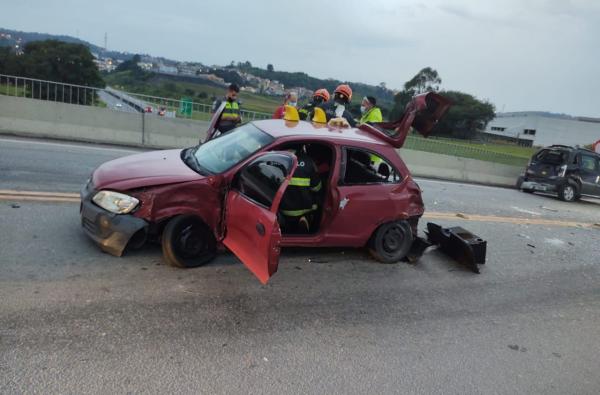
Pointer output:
298, 213
300, 182
231, 111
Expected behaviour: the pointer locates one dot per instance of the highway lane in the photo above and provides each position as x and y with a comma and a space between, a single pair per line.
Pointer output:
112, 102
331, 321
63, 167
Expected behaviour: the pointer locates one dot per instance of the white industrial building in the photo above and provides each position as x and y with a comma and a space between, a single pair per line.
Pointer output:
542, 129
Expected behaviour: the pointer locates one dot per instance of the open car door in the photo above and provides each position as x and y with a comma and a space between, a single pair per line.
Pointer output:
422, 113
251, 229
214, 122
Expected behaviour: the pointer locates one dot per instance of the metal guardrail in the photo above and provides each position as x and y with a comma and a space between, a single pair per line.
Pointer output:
33, 88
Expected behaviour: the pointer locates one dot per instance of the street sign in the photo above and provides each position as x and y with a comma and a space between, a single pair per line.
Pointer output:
185, 107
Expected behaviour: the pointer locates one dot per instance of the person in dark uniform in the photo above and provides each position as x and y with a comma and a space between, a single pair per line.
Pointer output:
341, 101
299, 202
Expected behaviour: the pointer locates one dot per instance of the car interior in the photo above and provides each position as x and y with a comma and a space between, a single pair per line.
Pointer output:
360, 169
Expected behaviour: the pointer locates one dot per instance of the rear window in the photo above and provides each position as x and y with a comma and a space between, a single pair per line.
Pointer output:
551, 157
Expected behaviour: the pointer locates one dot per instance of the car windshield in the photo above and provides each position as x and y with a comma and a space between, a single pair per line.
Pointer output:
552, 157
224, 152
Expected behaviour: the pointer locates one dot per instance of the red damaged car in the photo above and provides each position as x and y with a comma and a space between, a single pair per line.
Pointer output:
228, 190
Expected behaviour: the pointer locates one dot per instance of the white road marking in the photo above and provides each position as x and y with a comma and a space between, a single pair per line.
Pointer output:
431, 181
522, 210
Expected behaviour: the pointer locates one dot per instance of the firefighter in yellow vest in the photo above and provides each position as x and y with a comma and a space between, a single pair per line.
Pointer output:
230, 117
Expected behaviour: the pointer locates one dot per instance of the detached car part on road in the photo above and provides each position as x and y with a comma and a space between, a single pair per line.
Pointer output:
228, 190
569, 172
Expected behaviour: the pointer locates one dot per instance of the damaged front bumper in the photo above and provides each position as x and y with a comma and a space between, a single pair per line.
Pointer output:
539, 186
456, 242
111, 232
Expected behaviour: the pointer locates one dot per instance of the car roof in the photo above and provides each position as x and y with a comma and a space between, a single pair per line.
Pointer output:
569, 148
279, 128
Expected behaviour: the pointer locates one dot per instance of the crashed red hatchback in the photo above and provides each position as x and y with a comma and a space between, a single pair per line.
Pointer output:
228, 190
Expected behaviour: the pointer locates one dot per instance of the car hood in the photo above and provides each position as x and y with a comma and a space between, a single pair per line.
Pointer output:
143, 170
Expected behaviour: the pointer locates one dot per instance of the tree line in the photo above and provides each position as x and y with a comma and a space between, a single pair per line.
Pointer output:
53, 60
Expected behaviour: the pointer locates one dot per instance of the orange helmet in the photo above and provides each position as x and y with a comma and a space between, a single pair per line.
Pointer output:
322, 93
344, 90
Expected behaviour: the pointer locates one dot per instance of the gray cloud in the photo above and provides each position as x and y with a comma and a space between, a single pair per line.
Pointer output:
536, 54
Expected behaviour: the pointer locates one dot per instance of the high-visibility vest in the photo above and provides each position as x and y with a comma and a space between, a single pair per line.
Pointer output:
373, 115
231, 112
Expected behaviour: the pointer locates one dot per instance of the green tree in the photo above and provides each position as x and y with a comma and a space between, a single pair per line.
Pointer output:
61, 62
131, 64
467, 116
8, 61
270, 68
425, 80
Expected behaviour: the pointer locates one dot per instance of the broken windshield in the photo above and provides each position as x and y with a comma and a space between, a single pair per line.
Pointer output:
224, 152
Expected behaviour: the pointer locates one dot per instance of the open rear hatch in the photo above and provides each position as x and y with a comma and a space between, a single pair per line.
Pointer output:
422, 113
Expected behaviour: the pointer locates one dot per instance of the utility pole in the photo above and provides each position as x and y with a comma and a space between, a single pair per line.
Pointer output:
105, 41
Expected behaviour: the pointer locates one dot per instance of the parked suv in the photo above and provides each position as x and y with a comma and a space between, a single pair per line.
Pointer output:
569, 172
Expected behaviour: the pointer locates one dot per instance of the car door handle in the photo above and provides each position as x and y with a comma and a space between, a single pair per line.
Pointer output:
260, 229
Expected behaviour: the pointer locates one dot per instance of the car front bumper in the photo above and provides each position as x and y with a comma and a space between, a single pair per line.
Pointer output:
111, 232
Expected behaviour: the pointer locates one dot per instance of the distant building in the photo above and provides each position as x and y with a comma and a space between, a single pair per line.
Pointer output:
145, 65
167, 69
532, 128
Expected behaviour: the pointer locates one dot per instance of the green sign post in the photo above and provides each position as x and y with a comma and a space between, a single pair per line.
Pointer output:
185, 107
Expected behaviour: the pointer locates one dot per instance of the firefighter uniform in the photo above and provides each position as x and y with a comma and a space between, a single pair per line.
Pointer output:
300, 199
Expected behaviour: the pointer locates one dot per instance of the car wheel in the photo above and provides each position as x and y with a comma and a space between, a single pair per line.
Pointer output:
568, 192
188, 242
391, 242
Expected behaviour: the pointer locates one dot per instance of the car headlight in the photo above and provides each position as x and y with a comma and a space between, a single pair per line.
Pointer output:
115, 202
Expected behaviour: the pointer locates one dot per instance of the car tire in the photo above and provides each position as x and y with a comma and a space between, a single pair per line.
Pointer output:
568, 192
188, 242
391, 242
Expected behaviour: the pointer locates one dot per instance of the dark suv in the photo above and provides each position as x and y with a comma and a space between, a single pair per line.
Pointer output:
569, 172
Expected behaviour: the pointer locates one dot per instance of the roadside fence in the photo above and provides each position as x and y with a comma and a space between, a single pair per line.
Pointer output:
110, 98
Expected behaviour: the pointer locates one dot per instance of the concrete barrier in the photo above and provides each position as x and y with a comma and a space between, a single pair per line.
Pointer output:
39, 118
430, 165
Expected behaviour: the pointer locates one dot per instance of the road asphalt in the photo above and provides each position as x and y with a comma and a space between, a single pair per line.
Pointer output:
75, 320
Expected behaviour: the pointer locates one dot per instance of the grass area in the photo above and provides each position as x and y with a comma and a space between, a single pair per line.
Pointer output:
499, 153
199, 92
11, 91
509, 149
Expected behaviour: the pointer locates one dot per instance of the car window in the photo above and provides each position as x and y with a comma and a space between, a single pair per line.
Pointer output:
224, 152
551, 156
261, 179
364, 167
589, 163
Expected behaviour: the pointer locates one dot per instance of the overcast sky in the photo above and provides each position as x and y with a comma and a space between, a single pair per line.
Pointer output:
518, 54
